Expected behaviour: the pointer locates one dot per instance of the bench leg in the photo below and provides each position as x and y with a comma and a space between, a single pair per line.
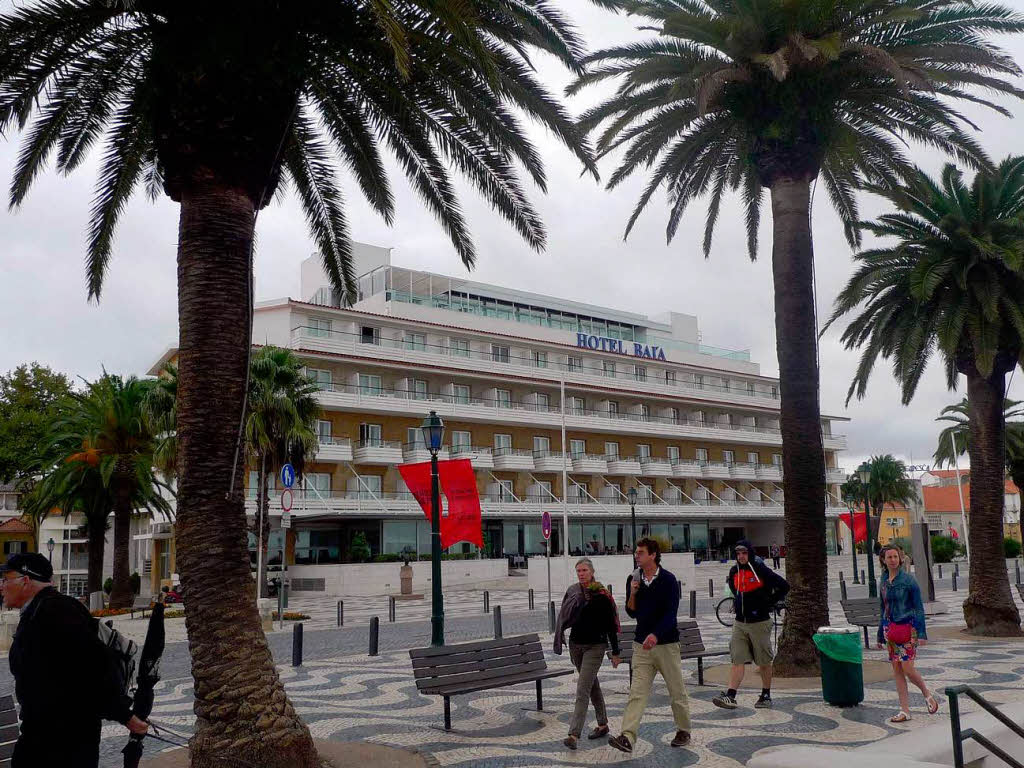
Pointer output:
447, 714
866, 643
631, 674
700, 670
540, 698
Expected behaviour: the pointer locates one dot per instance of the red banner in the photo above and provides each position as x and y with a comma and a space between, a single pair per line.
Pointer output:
460, 500
860, 526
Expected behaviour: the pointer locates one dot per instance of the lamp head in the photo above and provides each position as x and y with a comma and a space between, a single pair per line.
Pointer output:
864, 472
433, 432
632, 495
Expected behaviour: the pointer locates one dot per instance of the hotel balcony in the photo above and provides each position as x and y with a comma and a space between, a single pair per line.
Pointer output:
836, 475
655, 467
623, 465
772, 472
414, 453
742, 470
373, 451
688, 468
589, 464
550, 461
513, 459
481, 458
334, 449
717, 469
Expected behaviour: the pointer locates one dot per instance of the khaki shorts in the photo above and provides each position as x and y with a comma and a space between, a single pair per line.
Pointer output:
752, 643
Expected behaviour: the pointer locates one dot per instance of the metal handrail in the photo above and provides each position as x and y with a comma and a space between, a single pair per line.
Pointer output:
961, 735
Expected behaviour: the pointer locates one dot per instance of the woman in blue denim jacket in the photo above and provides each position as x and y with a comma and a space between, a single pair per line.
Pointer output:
902, 629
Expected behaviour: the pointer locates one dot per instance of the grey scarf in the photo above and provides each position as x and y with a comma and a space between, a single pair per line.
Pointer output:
572, 607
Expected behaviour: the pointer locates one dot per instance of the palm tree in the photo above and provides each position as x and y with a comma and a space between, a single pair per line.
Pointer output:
222, 105
952, 284
776, 95
889, 484
161, 409
280, 427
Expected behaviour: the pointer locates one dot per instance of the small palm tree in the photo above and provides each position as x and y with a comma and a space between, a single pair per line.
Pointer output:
953, 285
773, 96
280, 427
161, 409
889, 484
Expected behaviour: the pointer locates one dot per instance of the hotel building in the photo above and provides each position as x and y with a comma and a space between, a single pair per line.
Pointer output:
643, 403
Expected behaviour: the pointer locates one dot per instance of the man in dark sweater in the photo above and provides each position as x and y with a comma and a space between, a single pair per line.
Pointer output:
59, 668
653, 600
756, 590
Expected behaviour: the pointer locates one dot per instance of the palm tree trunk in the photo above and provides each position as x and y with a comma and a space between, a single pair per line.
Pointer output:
122, 595
97, 545
243, 714
803, 456
989, 608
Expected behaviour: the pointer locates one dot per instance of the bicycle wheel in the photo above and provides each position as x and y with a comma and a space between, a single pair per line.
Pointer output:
725, 612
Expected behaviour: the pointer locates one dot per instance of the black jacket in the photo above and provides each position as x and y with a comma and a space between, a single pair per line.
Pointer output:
756, 588
656, 608
60, 669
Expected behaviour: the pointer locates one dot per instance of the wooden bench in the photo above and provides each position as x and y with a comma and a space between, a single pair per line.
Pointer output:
691, 646
450, 670
862, 612
8, 729
141, 604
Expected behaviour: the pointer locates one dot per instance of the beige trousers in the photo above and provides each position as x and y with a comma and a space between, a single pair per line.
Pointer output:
663, 659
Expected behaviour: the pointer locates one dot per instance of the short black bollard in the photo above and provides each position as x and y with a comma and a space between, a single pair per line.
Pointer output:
487, 601
842, 589
341, 613
711, 587
693, 604
530, 593
956, 568
297, 645
391, 608
610, 590
497, 622
954, 580
863, 577
1016, 569
940, 570
840, 577
374, 635
280, 607
551, 616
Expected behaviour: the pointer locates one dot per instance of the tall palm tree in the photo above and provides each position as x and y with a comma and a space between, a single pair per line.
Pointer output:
221, 105
952, 284
280, 427
775, 95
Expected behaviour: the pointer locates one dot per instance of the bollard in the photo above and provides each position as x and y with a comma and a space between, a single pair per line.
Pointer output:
693, 604
610, 590
341, 613
280, 607
711, 587
956, 568
551, 616
374, 635
530, 593
391, 609
842, 589
487, 601
940, 570
863, 577
497, 622
297, 645
953, 575
1016, 568
284, 591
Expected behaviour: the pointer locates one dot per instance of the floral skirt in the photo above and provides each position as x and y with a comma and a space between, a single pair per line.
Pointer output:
905, 652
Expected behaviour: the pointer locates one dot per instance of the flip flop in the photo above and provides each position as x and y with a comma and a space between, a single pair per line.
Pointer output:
900, 717
933, 704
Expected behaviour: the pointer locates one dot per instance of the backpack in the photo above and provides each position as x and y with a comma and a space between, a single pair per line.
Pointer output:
121, 667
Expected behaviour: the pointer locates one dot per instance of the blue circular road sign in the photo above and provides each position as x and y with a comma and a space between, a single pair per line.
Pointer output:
287, 475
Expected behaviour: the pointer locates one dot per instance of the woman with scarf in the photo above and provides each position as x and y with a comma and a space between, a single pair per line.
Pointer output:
589, 612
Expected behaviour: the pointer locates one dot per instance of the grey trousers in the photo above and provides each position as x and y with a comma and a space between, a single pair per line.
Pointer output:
587, 659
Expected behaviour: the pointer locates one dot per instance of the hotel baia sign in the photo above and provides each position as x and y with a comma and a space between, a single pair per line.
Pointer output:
634, 349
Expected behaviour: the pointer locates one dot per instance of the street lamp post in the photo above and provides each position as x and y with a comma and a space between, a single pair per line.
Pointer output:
851, 501
632, 518
865, 478
433, 432
49, 549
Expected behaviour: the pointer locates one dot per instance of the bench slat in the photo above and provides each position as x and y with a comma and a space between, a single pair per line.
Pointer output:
446, 650
9, 716
9, 733
455, 690
470, 666
486, 674
504, 655
6, 702
6, 750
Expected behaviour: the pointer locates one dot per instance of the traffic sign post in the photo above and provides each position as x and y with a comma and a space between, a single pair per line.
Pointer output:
545, 527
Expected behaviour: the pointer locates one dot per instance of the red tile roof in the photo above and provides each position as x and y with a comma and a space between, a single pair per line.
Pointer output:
944, 498
14, 525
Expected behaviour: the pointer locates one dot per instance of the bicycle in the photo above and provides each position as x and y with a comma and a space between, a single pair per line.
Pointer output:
725, 612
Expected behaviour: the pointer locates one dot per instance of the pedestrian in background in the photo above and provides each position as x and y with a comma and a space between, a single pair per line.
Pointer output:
776, 552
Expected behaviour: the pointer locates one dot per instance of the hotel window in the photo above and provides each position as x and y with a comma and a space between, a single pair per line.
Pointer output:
777, 459
419, 389
499, 354
369, 486
319, 482
643, 450
15, 547
321, 376
543, 402
700, 493
503, 398
702, 455
613, 408
640, 372
573, 364
370, 435
577, 406
459, 347
673, 414
698, 417
540, 359
609, 368
729, 457
577, 492
504, 491
752, 458
416, 341
750, 388
645, 494
502, 444
461, 441
369, 384
645, 412
323, 431
577, 448
541, 445
414, 438
369, 335
673, 453
698, 381
319, 327
460, 393
670, 378
611, 450
775, 391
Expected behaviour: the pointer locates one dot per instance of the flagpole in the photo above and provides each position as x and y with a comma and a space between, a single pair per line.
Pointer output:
565, 488
960, 491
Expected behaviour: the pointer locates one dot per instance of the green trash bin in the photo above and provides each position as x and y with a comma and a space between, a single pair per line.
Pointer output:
842, 665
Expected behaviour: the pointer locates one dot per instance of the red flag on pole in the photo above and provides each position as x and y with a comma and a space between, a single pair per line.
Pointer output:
458, 482
860, 526
417, 480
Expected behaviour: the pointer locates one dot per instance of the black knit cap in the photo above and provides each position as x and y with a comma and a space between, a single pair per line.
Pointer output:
31, 564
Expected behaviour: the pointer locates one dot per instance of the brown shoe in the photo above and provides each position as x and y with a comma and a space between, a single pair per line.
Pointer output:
570, 742
598, 732
682, 739
621, 743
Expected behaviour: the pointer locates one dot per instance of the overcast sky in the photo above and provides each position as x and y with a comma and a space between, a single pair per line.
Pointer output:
45, 316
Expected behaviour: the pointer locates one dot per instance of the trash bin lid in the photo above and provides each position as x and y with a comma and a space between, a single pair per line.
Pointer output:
838, 631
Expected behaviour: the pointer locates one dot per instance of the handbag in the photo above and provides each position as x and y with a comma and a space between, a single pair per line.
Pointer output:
898, 634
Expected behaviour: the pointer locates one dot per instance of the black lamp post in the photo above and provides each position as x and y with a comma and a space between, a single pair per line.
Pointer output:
865, 478
49, 548
433, 432
632, 517
851, 502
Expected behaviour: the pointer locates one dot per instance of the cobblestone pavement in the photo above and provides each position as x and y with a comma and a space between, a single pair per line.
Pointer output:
346, 695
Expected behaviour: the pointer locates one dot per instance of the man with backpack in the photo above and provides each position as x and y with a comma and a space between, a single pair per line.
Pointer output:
63, 674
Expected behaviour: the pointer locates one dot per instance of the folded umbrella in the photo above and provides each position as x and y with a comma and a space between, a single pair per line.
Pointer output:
149, 676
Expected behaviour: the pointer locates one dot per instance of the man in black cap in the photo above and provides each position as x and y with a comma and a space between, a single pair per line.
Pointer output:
60, 671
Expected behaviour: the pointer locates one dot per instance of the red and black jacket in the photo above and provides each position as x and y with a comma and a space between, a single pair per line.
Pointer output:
756, 588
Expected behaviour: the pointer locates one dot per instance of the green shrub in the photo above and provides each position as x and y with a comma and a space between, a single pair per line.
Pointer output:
388, 557
136, 581
943, 549
359, 549
108, 585
1011, 547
